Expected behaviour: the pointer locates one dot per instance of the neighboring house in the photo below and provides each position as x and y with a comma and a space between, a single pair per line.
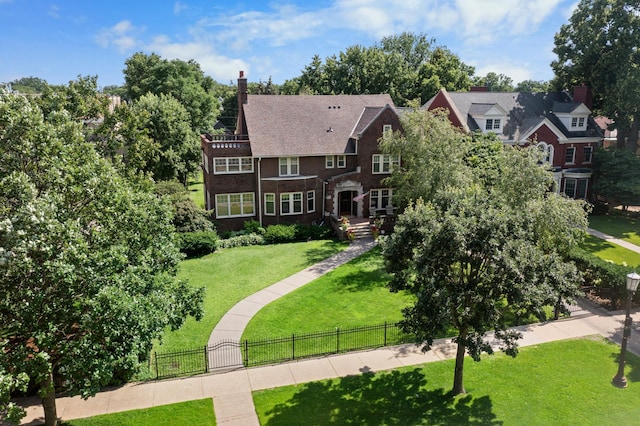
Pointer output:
558, 123
299, 159
610, 136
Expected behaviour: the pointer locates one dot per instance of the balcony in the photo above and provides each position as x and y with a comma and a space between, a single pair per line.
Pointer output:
225, 141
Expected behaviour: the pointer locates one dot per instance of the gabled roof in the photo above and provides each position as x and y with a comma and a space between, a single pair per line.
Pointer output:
525, 112
298, 125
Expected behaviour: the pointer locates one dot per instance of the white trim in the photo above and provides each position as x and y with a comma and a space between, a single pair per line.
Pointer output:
561, 137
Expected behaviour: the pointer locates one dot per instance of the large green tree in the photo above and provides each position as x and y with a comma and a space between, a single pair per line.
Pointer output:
88, 260
185, 81
599, 47
480, 242
616, 177
407, 66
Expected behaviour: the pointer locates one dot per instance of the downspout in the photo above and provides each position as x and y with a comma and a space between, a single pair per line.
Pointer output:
259, 192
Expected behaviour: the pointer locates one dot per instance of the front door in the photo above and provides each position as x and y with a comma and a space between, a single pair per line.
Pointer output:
348, 207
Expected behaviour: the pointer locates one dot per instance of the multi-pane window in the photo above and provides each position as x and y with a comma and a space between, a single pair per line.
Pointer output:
222, 165
205, 161
270, 204
329, 162
289, 166
577, 122
291, 203
311, 201
570, 156
588, 154
387, 128
492, 124
234, 205
384, 163
341, 161
547, 152
576, 188
379, 199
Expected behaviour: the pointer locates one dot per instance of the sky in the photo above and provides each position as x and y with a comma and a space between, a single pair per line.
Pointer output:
60, 40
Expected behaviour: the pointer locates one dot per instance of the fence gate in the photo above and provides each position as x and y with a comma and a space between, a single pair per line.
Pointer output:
224, 355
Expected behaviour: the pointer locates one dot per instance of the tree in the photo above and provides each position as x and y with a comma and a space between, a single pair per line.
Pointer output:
174, 152
29, 85
598, 47
533, 86
616, 177
479, 244
88, 260
406, 66
9, 411
187, 216
185, 81
495, 82
80, 98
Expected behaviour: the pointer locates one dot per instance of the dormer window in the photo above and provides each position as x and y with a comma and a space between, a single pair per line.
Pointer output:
493, 124
573, 116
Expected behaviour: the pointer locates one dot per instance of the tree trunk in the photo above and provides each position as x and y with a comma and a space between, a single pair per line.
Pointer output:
458, 384
49, 401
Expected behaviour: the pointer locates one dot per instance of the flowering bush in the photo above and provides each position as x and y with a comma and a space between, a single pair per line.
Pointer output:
351, 234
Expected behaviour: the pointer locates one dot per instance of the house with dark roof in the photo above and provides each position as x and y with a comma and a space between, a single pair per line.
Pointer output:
299, 159
558, 123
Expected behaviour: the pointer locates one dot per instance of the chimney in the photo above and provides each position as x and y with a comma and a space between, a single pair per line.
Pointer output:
479, 89
583, 94
241, 127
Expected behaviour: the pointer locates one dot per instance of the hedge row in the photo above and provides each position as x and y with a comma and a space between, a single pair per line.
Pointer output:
607, 277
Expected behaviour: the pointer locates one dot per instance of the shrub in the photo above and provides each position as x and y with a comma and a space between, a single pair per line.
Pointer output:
253, 227
275, 234
241, 240
606, 276
196, 244
312, 232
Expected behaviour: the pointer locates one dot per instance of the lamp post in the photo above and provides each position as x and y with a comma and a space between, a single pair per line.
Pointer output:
632, 285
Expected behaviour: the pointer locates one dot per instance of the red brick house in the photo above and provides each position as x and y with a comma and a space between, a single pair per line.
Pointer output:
299, 159
560, 124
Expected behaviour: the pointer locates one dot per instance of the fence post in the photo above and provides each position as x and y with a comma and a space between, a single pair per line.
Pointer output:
385, 333
206, 359
155, 355
246, 353
337, 340
293, 346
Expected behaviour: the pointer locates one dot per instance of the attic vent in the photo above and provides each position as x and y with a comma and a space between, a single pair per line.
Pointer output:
334, 106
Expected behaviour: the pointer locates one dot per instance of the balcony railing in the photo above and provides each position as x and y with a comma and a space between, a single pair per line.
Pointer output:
228, 141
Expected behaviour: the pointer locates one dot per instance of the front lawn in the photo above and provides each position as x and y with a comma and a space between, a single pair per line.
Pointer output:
560, 383
620, 226
230, 275
611, 252
188, 413
354, 294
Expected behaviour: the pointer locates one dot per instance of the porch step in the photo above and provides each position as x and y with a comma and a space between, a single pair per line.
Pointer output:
362, 230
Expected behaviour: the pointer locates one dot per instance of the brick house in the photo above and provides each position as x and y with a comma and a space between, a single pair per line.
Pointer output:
299, 159
558, 123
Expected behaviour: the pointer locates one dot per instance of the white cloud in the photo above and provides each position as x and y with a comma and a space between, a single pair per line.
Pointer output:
122, 35
179, 7
517, 72
54, 12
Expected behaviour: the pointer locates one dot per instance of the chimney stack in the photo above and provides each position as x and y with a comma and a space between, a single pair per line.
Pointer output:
479, 89
583, 95
241, 127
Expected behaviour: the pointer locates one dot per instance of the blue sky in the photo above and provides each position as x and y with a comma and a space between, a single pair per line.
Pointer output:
59, 40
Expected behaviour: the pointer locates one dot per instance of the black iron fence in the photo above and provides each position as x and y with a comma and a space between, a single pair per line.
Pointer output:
230, 354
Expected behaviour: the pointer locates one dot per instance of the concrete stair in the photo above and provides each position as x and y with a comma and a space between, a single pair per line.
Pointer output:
361, 229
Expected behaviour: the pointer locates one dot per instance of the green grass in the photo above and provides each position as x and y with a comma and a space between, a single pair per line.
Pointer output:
611, 252
188, 413
352, 295
626, 228
196, 189
233, 274
560, 383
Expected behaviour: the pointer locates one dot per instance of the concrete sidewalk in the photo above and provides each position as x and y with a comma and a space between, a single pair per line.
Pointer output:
231, 392
614, 240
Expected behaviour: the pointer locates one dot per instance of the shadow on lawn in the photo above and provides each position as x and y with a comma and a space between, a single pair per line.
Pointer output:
632, 362
395, 398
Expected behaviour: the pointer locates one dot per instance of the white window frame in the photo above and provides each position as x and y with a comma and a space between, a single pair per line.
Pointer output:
547, 151
311, 201
384, 163
589, 159
232, 165
289, 165
269, 199
377, 197
293, 202
205, 161
574, 192
571, 149
387, 128
341, 161
329, 162
227, 202
493, 124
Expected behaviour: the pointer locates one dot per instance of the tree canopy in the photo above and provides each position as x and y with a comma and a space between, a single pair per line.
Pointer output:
599, 47
88, 260
481, 239
185, 81
616, 177
406, 66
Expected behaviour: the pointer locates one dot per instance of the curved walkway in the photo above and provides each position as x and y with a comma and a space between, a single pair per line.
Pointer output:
232, 391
